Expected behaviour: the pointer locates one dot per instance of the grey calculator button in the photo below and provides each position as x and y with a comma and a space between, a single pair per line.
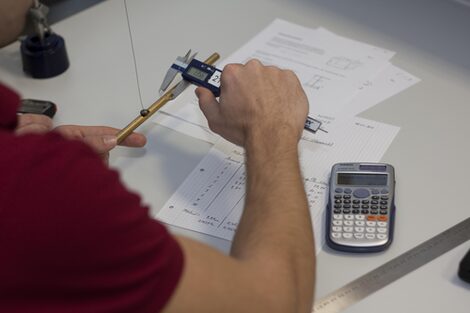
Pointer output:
347, 235
375, 191
361, 193
384, 191
336, 235
339, 190
347, 190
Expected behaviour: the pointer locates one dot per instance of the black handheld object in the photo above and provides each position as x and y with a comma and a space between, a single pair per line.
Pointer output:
37, 107
464, 268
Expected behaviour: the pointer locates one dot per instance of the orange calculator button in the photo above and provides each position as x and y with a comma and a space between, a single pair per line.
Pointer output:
372, 218
382, 218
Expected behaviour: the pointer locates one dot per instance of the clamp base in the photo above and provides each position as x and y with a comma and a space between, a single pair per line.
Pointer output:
44, 58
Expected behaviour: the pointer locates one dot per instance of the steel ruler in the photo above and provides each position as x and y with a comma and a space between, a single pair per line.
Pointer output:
398, 267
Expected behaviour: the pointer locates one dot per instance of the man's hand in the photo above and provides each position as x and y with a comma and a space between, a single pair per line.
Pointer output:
100, 138
33, 124
260, 103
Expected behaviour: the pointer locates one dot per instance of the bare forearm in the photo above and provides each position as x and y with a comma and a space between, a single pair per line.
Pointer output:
276, 224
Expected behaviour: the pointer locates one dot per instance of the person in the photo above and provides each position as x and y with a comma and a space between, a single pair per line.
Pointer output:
74, 239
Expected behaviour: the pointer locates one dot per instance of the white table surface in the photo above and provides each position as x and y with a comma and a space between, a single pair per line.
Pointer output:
430, 153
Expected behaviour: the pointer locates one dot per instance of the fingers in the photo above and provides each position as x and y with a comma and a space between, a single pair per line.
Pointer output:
208, 104
101, 144
33, 124
106, 133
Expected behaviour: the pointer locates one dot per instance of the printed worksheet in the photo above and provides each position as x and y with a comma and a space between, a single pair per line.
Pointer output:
211, 199
340, 76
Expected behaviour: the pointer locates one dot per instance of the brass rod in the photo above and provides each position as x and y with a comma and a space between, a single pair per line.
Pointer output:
167, 96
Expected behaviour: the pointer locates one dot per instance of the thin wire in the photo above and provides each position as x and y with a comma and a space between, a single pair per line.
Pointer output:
133, 56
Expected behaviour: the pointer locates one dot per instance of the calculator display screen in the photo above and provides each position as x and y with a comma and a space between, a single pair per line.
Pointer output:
356, 179
197, 73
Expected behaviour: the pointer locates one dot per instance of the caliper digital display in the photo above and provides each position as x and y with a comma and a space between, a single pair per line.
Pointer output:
203, 75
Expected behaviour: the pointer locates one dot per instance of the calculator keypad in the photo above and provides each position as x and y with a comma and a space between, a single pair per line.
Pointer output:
360, 215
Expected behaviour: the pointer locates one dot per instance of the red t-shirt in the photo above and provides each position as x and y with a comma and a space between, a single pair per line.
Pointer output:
72, 237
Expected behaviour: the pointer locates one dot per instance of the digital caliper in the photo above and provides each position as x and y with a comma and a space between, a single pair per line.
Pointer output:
207, 76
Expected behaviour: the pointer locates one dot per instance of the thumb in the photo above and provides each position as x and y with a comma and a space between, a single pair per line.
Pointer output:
208, 104
101, 144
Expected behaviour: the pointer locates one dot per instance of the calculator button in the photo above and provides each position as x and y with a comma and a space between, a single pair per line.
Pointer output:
370, 224
346, 211
336, 228
348, 229
359, 229
384, 191
358, 235
365, 211
375, 197
360, 217
339, 190
365, 206
338, 201
383, 202
381, 230
338, 206
348, 223
338, 223
383, 212
337, 216
371, 218
384, 197
365, 201
356, 201
374, 212
375, 191
370, 236
347, 190
382, 218
382, 224
356, 206
381, 236
347, 197
383, 207
374, 202
374, 207
347, 201
347, 206
336, 235
370, 229
349, 217
337, 196
355, 211
347, 235
336, 211
360, 223
361, 193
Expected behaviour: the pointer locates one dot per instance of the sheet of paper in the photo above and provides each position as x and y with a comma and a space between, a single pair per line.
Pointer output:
308, 52
211, 199
189, 119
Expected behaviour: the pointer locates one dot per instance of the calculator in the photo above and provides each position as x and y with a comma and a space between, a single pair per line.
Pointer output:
361, 207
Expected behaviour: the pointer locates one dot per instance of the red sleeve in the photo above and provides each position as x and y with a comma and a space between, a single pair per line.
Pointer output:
73, 239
